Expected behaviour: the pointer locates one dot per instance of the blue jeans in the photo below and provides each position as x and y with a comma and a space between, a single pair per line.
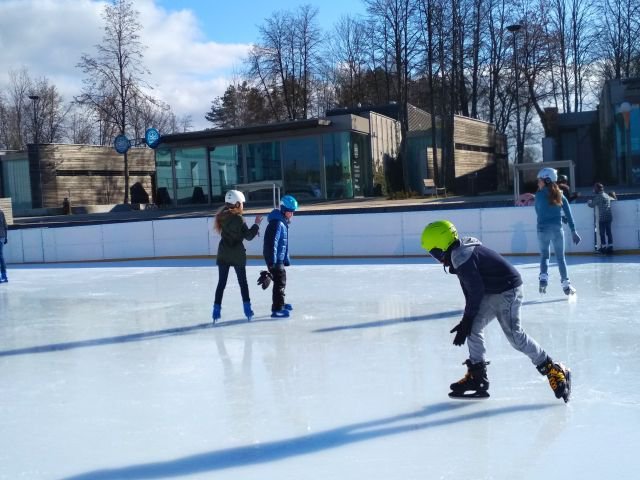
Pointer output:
547, 235
3, 266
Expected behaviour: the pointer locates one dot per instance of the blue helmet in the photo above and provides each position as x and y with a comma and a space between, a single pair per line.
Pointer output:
288, 204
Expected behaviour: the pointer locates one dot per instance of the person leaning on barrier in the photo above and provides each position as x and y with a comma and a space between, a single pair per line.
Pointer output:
4, 238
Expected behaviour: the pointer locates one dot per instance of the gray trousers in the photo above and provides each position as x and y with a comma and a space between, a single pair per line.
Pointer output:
505, 307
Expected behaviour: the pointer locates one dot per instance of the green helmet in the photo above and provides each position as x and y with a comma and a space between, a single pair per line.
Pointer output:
439, 235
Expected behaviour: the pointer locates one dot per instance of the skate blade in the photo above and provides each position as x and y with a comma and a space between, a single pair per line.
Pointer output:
567, 390
469, 396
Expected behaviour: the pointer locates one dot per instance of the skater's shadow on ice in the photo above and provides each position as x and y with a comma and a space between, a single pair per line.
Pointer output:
132, 337
280, 449
416, 318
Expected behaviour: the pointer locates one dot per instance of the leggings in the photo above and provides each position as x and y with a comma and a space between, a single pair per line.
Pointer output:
223, 275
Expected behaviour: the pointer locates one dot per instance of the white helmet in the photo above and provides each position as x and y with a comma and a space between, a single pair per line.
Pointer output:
234, 196
548, 173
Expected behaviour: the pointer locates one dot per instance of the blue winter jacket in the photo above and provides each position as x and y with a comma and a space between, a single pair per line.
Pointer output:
552, 214
276, 239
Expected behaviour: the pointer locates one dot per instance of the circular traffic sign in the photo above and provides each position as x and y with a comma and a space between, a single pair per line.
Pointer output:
121, 144
152, 137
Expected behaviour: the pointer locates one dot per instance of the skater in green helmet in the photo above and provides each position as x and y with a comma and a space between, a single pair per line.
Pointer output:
492, 288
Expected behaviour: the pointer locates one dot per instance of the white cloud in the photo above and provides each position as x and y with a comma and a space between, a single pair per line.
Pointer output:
49, 36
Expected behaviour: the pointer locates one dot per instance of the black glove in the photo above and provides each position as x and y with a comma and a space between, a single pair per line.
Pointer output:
576, 238
463, 329
287, 262
6, 240
265, 279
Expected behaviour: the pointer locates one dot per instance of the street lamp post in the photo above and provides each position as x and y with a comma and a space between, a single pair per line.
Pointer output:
514, 29
38, 203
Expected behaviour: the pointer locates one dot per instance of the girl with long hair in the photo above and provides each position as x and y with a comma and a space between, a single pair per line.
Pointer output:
231, 252
550, 204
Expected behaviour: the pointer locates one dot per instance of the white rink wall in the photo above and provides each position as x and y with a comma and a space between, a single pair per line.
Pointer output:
509, 230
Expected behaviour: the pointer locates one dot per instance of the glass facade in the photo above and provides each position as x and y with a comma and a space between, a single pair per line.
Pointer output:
330, 165
192, 179
337, 165
361, 175
16, 182
301, 162
164, 177
226, 168
628, 145
263, 161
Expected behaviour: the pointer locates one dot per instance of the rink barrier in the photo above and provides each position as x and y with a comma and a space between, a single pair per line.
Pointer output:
509, 230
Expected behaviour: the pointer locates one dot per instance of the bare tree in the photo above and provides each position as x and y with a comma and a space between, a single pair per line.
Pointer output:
80, 125
349, 50
20, 87
619, 27
397, 19
115, 75
51, 113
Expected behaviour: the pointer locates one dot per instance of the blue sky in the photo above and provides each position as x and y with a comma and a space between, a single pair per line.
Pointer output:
236, 21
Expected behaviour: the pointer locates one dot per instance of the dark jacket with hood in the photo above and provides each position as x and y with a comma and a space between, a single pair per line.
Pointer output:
276, 239
234, 231
480, 271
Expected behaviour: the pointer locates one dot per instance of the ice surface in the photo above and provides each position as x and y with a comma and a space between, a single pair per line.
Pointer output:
112, 370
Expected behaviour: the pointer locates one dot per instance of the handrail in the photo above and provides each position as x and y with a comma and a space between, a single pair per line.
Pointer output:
275, 185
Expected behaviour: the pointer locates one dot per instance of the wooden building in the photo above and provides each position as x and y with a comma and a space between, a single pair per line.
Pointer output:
46, 174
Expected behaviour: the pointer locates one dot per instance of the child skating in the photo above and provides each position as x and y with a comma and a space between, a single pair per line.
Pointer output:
276, 253
4, 238
492, 288
602, 203
550, 204
231, 252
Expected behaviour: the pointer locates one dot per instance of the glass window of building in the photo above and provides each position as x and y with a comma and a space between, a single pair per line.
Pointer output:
263, 161
337, 164
301, 160
192, 182
164, 177
361, 175
16, 182
226, 168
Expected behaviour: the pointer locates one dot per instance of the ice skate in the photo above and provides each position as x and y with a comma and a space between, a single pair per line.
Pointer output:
216, 312
3, 278
559, 378
474, 381
280, 313
544, 281
288, 306
247, 310
567, 288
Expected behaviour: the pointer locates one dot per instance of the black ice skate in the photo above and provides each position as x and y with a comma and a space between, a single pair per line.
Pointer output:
475, 381
559, 378
544, 281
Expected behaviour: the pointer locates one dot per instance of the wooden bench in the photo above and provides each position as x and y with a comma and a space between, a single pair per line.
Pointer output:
430, 188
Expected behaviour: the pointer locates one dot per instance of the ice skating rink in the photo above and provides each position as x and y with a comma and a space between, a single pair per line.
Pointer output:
113, 371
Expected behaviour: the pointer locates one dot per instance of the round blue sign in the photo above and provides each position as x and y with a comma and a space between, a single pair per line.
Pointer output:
121, 144
152, 137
